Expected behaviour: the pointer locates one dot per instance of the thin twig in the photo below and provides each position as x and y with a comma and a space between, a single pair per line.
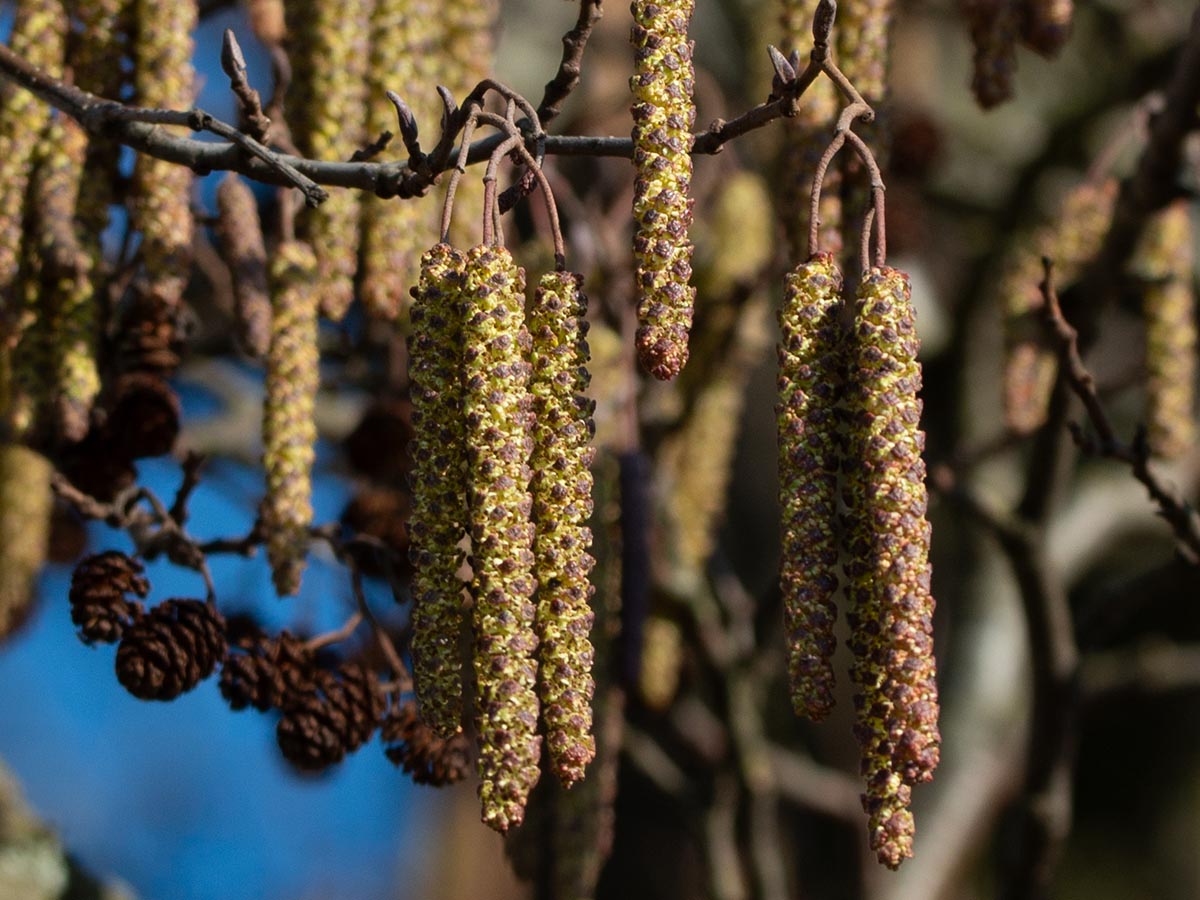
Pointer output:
234, 65
566, 79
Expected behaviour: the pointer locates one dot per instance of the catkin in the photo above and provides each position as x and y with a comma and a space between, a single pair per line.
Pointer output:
161, 211
663, 113
331, 55
887, 543
993, 25
38, 34
240, 237
562, 503
25, 508
394, 231
863, 36
289, 431
499, 442
439, 516
1070, 240
69, 303
1164, 261
808, 466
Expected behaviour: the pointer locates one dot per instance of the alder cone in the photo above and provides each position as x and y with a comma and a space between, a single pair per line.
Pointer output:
413, 746
337, 716
171, 649
99, 605
266, 672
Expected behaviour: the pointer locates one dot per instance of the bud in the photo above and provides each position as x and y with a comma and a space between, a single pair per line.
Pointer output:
1071, 239
1164, 261
439, 515
663, 114
562, 503
808, 465
289, 432
887, 543
499, 441
25, 509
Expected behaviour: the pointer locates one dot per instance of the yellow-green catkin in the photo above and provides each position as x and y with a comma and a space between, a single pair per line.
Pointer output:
663, 114
69, 302
888, 572
38, 35
562, 503
289, 430
499, 443
28, 347
25, 508
162, 191
395, 231
806, 412
1046, 24
267, 20
661, 664
240, 238
1070, 240
1163, 261
331, 56
805, 138
466, 51
994, 26
439, 515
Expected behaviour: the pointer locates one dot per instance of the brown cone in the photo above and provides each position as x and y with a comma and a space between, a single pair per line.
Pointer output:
99, 606
171, 649
336, 717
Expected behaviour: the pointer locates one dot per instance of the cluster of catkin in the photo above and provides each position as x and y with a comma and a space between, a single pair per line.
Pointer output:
498, 396
849, 429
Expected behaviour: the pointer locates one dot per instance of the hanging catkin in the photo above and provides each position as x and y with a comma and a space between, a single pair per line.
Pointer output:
439, 516
162, 190
993, 25
562, 503
887, 546
289, 432
394, 231
808, 465
663, 113
499, 442
1070, 240
330, 56
1163, 261
25, 509
240, 237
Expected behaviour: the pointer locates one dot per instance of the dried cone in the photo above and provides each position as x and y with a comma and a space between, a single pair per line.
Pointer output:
25, 509
994, 26
663, 113
891, 607
38, 32
1070, 240
239, 234
562, 503
164, 79
330, 55
289, 431
266, 672
395, 231
1164, 261
171, 649
808, 352
336, 717
99, 606
413, 746
1046, 24
499, 442
439, 516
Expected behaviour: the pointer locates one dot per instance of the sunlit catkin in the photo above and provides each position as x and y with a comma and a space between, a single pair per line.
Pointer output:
499, 441
25, 506
663, 113
331, 54
289, 432
863, 33
1164, 262
69, 303
887, 546
38, 33
395, 231
1070, 240
161, 210
562, 503
439, 515
808, 474
240, 238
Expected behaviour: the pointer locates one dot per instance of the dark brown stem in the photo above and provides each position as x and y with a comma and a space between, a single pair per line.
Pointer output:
566, 79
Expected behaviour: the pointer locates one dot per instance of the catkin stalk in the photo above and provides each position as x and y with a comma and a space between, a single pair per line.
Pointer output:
499, 441
289, 431
240, 237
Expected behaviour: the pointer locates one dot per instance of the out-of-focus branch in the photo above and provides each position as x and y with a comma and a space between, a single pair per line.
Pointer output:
566, 79
1151, 668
